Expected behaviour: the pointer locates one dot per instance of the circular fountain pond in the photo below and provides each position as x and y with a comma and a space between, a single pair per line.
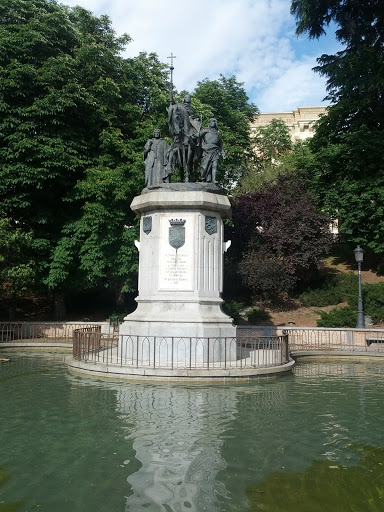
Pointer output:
310, 441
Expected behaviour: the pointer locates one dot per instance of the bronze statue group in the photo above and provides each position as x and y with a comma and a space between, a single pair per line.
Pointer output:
192, 145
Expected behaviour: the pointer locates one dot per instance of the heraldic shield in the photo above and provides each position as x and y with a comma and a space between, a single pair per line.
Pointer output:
177, 233
147, 225
210, 225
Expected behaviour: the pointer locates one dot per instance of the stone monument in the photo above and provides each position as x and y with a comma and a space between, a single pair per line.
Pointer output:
181, 248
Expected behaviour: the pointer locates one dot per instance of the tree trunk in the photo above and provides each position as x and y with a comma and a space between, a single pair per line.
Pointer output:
59, 305
12, 309
119, 298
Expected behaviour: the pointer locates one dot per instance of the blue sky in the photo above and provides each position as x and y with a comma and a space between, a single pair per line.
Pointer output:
252, 39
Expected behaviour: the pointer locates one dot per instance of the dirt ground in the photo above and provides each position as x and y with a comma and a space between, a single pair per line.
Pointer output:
307, 317
300, 317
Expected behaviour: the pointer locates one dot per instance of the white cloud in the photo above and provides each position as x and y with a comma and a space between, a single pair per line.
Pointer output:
296, 86
253, 39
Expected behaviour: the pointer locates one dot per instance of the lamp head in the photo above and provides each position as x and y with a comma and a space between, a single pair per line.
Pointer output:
359, 254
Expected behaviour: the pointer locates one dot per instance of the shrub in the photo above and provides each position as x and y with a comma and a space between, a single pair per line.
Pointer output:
339, 288
232, 309
279, 237
344, 289
265, 277
374, 301
338, 317
254, 316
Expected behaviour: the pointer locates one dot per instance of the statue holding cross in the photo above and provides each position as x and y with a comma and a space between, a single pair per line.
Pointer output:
189, 141
184, 127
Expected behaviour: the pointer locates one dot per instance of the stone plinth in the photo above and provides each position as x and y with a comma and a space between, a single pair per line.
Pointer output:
181, 264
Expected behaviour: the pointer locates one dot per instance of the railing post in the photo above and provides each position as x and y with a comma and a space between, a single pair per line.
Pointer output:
74, 345
286, 339
137, 351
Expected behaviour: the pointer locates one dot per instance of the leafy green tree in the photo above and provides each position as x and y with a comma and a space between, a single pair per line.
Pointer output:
279, 237
74, 116
347, 172
269, 145
97, 246
300, 157
271, 142
17, 266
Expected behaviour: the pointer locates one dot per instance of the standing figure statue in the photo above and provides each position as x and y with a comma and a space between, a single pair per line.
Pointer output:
212, 147
155, 157
184, 128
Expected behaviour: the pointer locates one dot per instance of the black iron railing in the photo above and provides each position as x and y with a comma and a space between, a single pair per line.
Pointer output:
44, 332
321, 339
180, 352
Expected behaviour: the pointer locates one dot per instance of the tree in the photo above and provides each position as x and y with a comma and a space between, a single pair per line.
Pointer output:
355, 74
228, 103
74, 116
97, 246
17, 267
269, 144
347, 171
279, 237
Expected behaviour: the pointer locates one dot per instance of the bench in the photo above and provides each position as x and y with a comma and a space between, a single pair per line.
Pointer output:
371, 340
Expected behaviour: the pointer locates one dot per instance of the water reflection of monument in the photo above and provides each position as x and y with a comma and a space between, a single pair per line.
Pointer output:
184, 448
176, 435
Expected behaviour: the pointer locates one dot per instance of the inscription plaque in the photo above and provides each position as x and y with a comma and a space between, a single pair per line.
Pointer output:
176, 254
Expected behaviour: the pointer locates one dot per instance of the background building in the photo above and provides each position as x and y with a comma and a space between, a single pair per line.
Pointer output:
300, 122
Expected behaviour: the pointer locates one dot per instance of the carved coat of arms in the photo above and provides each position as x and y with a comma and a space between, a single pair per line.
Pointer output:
147, 225
210, 225
177, 233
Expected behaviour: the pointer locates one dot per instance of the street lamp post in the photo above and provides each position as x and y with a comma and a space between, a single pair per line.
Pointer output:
359, 254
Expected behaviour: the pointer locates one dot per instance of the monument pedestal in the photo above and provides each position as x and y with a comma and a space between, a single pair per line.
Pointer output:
181, 271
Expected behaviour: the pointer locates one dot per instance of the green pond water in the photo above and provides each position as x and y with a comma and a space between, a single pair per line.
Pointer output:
312, 441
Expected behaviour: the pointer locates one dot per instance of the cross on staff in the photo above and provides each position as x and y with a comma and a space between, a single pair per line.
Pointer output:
171, 83
171, 57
